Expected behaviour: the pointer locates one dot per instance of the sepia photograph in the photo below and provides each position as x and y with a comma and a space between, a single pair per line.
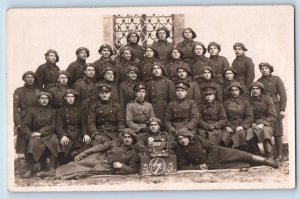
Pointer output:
151, 98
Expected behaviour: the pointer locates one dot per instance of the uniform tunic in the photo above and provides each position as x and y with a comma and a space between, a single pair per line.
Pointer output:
87, 91
75, 69
127, 94
245, 69
145, 68
196, 65
193, 92
57, 93
274, 88
218, 63
46, 76
172, 67
99, 160
164, 48
187, 49
101, 64
24, 99
137, 115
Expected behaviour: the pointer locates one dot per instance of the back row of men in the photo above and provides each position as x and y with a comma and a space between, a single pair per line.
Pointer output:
180, 86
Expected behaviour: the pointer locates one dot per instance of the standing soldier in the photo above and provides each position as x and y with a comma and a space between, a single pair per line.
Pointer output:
264, 117
47, 73
243, 64
182, 114
186, 46
75, 69
60, 89
139, 111
174, 60
274, 88
145, 66
160, 90
127, 59
105, 118
162, 46
133, 42
240, 117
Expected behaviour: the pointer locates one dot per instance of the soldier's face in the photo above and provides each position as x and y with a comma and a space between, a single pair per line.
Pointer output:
140, 94
82, 54
63, 79
255, 91
90, 71
209, 97
156, 71
175, 54
127, 139
29, 80
132, 75
105, 52
127, 55
133, 38
235, 92
239, 51
109, 76
149, 52
183, 140
198, 50
162, 35
187, 34
265, 71
51, 57
207, 74
43, 100
70, 98
154, 127
104, 95
181, 93
182, 74
229, 75
213, 50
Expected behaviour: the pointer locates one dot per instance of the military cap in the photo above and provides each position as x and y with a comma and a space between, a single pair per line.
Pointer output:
106, 46
185, 67
129, 132
66, 73
210, 69
154, 119
214, 44
209, 89
54, 52
230, 69
84, 49
131, 33
239, 44
192, 31
103, 87
164, 29
161, 65
235, 84
185, 134
139, 85
182, 84
47, 94
108, 69
257, 84
132, 68
201, 44
127, 48
89, 65
71, 91
267, 65
29, 73
156, 54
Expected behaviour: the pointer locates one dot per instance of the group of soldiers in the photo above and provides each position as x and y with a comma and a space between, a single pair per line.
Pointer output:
121, 100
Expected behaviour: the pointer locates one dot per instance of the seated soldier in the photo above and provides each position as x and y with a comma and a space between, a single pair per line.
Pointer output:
112, 157
105, 118
71, 127
39, 126
182, 114
196, 153
212, 117
139, 111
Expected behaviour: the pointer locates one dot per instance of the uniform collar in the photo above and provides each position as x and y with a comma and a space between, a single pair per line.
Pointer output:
241, 57
139, 102
238, 99
201, 57
214, 56
81, 61
268, 77
189, 42
160, 42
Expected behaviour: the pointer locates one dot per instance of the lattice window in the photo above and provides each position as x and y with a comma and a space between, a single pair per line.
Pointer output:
145, 25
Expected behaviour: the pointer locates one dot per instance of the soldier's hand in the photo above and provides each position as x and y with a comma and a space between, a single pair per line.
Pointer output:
99, 139
64, 140
239, 128
229, 129
203, 166
36, 134
76, 159
87, 139
117, 165
260, 126
282, 114
211, 127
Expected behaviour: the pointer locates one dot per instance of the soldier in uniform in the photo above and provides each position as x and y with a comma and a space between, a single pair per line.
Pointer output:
264, 117
138, 112
47, 73
186, 46
217, 62
39, 127
212, 117
160, 90
174, 60
243, 64
112, 157
162, 46
182, 114
71, 127
274, 88
105, 118
106, 60
240, 117
60, 89
133, 42
75, 69
145, 66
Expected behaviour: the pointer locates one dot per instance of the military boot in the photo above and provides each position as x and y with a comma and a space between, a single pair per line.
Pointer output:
264, 161
268, 149
278, 144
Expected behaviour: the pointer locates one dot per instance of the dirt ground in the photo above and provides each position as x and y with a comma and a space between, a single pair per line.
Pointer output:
253, 174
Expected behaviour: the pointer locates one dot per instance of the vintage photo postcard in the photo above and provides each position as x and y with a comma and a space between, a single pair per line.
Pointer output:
151, 98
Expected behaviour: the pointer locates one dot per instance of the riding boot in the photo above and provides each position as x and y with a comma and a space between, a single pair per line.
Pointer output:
30, 164
268, 149
278, 144
264, 161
